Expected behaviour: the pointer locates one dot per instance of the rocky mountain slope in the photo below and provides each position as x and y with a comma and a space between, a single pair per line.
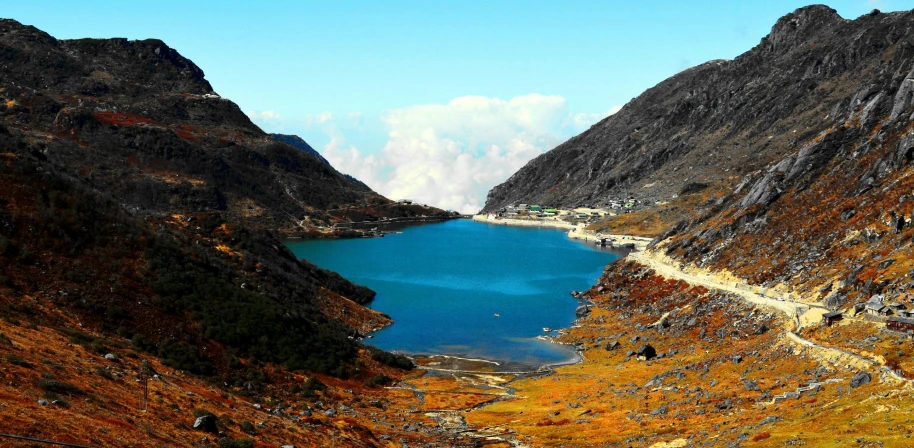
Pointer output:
717, 122
137, 201
800, 148
300, 143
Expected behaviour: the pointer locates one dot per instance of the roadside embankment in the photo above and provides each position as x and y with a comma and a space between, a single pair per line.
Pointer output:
546, 222
575, 231
581, 233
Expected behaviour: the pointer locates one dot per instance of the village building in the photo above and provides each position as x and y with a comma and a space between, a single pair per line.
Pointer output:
900, 324
877, 309
830, 318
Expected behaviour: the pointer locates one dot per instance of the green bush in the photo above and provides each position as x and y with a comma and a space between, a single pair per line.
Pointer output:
392, 360
58, 387
378, 380
236, 443
15, 360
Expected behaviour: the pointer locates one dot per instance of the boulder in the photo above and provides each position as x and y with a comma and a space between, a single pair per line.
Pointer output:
582, 311
206, 423
860, 379
646, 352
111, 357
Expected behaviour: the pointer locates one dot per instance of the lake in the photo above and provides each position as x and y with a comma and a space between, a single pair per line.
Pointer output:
468, 289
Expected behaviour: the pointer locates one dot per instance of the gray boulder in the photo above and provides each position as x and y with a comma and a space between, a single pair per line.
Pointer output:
861, 379
206, 423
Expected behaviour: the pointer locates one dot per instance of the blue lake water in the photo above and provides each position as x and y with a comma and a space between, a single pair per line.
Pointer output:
444, 283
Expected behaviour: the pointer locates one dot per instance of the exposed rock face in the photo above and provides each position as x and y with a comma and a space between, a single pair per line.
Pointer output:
299, 143
860, 379
153, 204
162, 140
719, 121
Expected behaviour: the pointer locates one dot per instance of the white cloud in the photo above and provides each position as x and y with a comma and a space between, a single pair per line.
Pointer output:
265, 118
317, 119
450, 155
582, 121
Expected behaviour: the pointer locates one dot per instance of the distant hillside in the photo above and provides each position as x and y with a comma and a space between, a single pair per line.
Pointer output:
299, 143
792, 162
138, 201
717, 122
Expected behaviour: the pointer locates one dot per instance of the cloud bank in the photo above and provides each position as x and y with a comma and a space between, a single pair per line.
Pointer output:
448, 155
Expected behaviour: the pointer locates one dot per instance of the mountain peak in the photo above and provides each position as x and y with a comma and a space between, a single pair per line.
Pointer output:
802, 24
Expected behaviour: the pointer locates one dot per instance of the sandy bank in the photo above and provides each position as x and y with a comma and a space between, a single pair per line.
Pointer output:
551, 222
575, 231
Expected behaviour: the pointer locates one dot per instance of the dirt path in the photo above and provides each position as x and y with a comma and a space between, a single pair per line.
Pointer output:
802, 314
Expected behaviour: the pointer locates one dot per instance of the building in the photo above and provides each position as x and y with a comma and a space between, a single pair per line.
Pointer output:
900, 324
876, 309
830, 318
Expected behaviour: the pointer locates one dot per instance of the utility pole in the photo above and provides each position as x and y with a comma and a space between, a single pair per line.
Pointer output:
144, 379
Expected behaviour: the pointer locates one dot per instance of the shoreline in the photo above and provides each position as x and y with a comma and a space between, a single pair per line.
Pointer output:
461, 364
575, 231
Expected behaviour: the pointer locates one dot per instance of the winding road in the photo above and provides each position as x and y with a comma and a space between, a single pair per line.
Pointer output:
800, 313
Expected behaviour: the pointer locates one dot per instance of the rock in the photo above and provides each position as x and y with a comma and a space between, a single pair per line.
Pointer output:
737, 359
206, 423
659, 411
111, 356
768, 420
43, 402
860, 379
330, 412
646, 352
613, 345
762, 329
582, 311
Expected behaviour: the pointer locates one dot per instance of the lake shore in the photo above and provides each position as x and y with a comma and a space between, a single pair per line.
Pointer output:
575, 231
460, 364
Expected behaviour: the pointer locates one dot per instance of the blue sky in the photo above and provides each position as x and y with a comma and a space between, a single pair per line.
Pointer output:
356, 78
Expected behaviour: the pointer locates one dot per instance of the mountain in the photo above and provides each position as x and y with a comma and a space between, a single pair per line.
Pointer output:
300, 144
789, 164
139, 202
715, 123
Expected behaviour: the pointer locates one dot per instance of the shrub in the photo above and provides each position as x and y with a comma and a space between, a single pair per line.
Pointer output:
378, 380
247, 427
58, 387
100, 371
391, 359
310, 388
236, 443
17, 361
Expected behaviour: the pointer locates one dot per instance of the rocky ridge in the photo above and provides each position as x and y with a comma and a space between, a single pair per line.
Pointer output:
717, 122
